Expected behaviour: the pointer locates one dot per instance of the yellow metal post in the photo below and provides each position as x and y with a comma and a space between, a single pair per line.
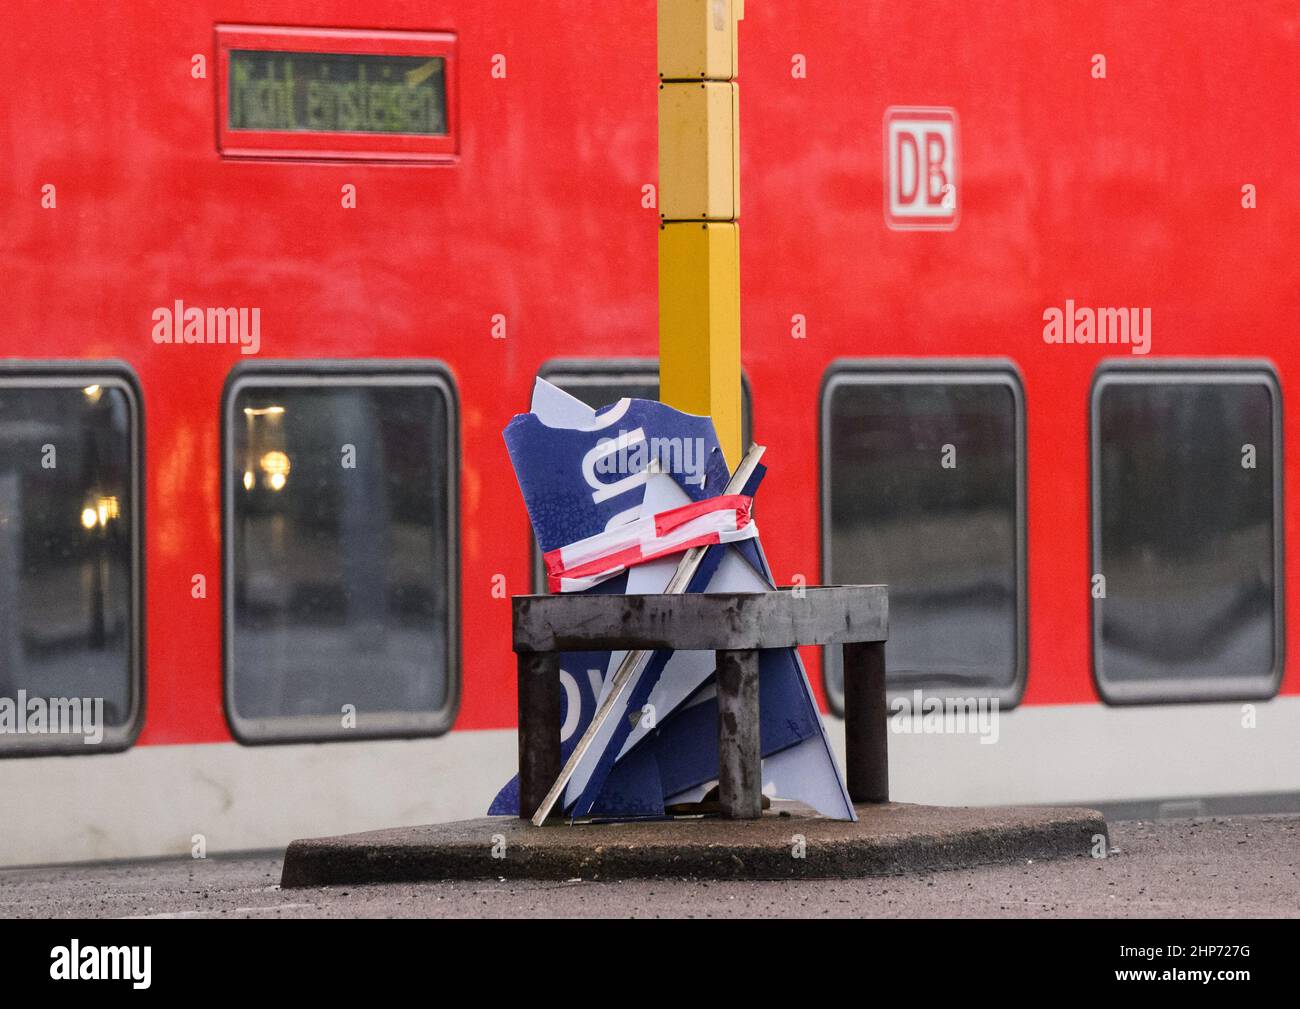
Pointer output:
699, 206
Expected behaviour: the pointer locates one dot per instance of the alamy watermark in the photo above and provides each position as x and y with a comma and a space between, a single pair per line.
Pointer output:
631, 452
1128, 326
53, 716
75, 962
189, 325
921, 715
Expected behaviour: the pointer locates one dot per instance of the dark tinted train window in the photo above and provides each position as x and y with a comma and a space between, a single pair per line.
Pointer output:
1186, 533
69, 562
341, 569
601, 381
923, 485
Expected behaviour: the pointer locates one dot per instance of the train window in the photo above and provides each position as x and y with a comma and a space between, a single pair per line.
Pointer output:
1186, 532
601, 381
70, 572
923, 488
342, 576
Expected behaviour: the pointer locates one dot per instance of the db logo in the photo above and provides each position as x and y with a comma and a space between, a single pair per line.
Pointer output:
922, 183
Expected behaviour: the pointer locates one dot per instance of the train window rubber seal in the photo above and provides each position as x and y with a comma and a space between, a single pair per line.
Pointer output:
1209, 371
997, 371
342, 372
117, 374
569, 373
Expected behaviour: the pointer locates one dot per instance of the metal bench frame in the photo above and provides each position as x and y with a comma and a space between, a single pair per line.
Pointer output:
736, 625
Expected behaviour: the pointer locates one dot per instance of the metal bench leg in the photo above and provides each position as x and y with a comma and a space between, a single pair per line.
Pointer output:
740, 783
539, 727
866, 721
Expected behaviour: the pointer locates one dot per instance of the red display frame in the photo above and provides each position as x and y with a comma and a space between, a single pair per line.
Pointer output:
332, 146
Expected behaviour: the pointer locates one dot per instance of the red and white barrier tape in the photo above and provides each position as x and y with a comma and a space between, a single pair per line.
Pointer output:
579, 566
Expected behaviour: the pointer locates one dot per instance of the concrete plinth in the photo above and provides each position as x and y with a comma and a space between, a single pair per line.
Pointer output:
785, 843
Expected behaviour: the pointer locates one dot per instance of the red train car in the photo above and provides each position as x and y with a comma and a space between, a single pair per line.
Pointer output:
1019, 285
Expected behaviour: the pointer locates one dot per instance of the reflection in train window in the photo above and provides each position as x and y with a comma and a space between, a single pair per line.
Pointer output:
341, 571
69, 560
923, 490
600, 381
1186, 532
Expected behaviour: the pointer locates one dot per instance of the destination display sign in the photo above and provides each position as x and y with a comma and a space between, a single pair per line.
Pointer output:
337, 93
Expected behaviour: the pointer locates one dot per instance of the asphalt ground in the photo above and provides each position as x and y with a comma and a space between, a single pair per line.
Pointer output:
1223, 867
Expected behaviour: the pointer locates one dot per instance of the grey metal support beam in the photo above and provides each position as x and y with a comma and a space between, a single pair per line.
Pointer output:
866, 722
703, 621
539, 727
740, 781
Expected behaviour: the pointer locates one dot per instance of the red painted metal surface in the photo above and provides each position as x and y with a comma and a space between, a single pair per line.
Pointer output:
1123, 191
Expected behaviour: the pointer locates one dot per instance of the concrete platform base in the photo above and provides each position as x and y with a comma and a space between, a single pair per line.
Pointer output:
785, 843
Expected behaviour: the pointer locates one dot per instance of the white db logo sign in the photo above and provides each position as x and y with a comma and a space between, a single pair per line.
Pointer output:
922, 169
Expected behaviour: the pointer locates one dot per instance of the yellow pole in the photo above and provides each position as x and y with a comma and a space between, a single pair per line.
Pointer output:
699, 207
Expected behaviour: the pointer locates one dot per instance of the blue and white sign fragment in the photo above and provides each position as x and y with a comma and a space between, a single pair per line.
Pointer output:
584, 472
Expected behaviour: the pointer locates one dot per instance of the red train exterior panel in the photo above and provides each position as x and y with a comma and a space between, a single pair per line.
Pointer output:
1121, 190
